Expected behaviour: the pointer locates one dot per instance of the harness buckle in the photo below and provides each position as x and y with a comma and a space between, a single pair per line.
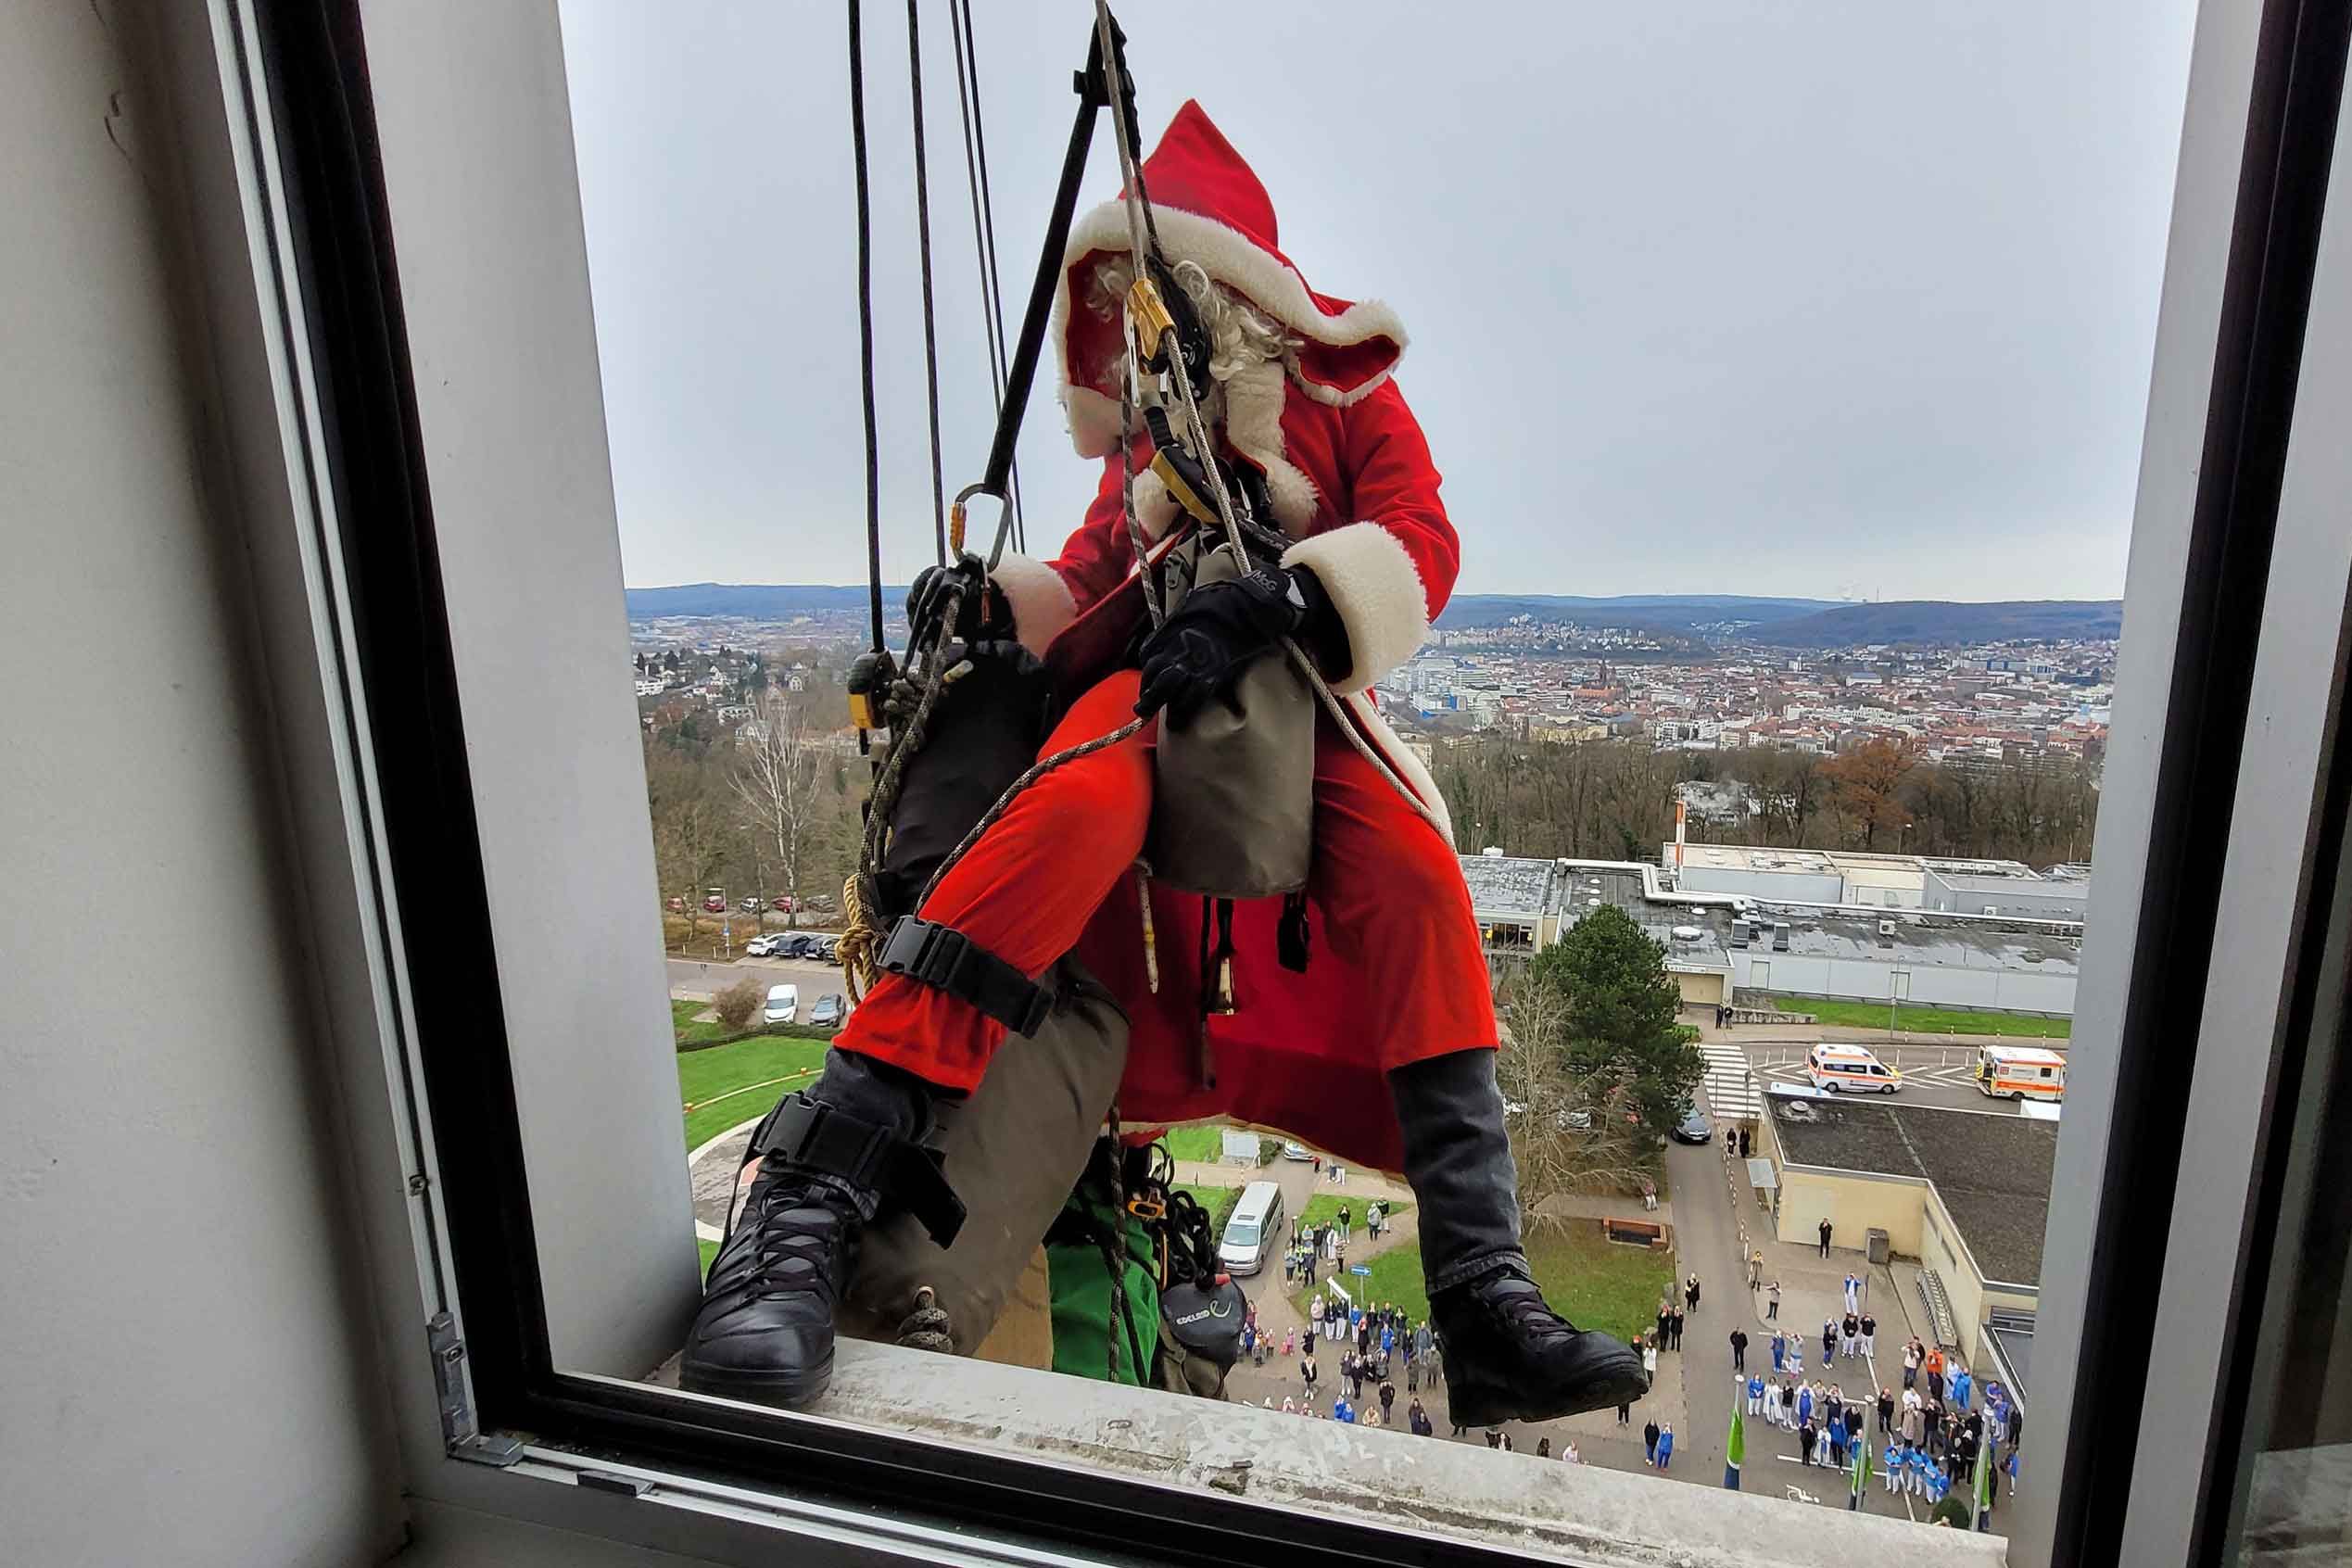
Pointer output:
945, 959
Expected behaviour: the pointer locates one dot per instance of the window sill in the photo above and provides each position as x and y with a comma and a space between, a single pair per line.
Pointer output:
1389, 1480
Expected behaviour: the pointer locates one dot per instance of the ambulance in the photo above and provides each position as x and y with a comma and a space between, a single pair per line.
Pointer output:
2021, 1072
1849, 1069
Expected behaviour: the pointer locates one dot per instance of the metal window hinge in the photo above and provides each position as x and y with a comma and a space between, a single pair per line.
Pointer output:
418, 1183
462, 1435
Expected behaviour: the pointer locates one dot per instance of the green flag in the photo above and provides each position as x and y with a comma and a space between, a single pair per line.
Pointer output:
1735, 1450
1984, 1482
1860, 1467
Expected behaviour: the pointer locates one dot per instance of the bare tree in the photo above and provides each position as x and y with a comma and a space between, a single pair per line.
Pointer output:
1567, 1125
778, 777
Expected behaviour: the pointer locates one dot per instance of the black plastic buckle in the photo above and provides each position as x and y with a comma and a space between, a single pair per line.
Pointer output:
814, 1135
945, 959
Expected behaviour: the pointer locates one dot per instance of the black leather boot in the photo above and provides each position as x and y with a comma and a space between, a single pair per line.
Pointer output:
829, 1157
1509, 1356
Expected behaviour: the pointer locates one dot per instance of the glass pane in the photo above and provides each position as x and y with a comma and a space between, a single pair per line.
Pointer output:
1809, 771
2294, 1502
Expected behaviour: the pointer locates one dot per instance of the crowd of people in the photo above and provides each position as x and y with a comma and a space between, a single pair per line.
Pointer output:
1370, 1345
1315, 1248
1928, 1437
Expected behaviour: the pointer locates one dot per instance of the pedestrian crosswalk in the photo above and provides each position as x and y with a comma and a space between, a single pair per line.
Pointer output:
1731, 1087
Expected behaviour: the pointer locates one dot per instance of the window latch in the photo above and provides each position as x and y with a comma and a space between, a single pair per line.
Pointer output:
462, 1435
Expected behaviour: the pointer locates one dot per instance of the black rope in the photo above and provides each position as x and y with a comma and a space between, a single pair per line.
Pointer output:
923, 237
959, 20
865, 319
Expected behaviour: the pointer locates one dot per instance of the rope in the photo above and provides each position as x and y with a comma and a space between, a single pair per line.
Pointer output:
1004, 801
923, 242
959, 22
866, 319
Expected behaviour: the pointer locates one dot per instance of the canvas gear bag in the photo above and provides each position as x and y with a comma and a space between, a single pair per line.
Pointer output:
1234, 797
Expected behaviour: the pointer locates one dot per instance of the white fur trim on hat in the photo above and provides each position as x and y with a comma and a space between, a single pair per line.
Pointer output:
1240, 263
1232, 258
1404, 759
1041, 602
1374, 585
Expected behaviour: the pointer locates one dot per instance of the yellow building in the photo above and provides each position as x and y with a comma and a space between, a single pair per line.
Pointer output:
1966, 1192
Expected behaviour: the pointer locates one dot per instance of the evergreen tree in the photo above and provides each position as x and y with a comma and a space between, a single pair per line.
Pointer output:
1621, 1007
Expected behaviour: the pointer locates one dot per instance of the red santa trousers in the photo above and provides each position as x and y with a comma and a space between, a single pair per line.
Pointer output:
1395, 974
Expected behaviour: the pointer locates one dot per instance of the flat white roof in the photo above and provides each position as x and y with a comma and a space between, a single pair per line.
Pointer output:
2036, 1054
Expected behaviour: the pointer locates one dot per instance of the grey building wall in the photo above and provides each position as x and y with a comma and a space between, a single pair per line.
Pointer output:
1774, 887
1871, 979
189, 1364
2012, 898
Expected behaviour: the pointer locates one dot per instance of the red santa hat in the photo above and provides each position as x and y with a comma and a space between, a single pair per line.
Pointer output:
1211, 209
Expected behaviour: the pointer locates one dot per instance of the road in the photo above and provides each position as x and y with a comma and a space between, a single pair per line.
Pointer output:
693, 977
1932, 1075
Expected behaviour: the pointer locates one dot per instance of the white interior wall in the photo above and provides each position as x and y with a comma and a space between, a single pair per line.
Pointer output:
188, 1364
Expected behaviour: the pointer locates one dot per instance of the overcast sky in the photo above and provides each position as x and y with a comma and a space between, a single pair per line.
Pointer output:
1835, 300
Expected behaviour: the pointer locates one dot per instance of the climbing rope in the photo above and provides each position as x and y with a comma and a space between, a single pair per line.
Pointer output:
923, 244
959, 22
866, 318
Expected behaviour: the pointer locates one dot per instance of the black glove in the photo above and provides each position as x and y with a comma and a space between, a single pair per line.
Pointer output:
1200, 651
967, 578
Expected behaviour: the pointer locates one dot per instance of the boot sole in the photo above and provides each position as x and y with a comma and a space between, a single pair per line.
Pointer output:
791, 1390
1617, 1381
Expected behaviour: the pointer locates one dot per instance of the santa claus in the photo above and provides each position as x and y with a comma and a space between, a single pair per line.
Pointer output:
1382, 1051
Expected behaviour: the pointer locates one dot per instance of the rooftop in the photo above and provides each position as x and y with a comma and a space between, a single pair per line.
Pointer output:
1922, 937
1510, 886
1993, 1171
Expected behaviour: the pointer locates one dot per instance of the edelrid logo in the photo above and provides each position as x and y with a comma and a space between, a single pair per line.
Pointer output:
1195, 1317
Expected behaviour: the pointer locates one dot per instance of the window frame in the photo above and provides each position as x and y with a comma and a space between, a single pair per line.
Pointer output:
357, 577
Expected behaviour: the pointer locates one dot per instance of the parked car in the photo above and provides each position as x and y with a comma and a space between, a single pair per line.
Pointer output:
783, 1003
1693, 1128
751, 904
1297, 1151
760, 947
797, 944
829, 948
828, 1010
783, 902
715, 905
677, 906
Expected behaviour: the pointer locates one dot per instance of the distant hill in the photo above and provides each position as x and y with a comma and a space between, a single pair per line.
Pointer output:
1786, 623
1665, 612
752, 601
1930, 623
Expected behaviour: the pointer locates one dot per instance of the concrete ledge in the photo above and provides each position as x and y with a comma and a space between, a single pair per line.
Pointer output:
1579, 1514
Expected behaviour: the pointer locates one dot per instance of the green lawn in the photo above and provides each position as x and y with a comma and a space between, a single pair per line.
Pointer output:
728, 1085
1927, 1021
710, 1250
1324, 1209
1196, 1143
1594, 1283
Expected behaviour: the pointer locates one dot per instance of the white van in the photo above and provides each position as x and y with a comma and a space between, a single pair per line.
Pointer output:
1850, 1069
783, 1003
2020, 1072
1254, 1229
